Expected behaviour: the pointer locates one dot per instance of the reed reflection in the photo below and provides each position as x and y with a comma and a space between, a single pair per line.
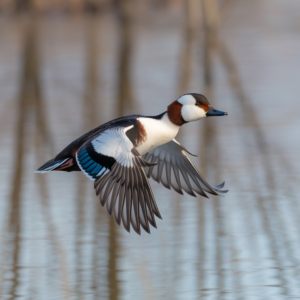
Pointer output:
90, 121
125, 15
191, 15
43, 145
26, 91
125, 101
250, 118
191, 22
210, 156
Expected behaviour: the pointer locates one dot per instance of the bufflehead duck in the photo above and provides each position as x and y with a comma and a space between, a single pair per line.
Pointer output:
120, 154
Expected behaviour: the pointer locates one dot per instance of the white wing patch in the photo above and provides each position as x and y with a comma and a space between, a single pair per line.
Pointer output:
115, 143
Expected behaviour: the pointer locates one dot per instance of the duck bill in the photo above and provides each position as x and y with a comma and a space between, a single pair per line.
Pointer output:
214, 112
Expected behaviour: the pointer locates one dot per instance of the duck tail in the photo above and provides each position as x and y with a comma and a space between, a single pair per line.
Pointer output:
53, 164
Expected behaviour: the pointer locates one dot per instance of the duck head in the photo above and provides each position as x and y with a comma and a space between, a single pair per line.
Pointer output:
191, 107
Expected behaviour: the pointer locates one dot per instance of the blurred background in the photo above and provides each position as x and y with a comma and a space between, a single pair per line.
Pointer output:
67, 66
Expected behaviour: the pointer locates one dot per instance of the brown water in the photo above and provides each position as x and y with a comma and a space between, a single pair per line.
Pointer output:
60, 77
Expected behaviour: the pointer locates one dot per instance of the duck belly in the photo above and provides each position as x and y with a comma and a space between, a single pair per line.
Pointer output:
156, 133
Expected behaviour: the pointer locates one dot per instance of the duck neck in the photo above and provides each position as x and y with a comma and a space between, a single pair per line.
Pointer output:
174, 113
168, 123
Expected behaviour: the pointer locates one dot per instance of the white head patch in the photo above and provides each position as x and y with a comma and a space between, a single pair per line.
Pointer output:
187, 99
190, 111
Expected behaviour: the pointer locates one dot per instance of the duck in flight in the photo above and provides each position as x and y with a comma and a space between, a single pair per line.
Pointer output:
120, 156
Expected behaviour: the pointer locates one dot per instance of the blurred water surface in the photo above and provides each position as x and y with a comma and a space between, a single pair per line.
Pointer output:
63, 75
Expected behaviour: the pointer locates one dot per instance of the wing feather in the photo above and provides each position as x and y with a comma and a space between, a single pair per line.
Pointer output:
177, 184
147, 198
150, 214
135, 212
126, 215
219, 186
160, 168
164, 178
176, 170
186, 183
118, 207
114, 194
109, 186
168, 174
142, 212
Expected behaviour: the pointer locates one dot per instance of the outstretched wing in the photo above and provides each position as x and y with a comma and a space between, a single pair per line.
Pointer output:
174, 169
120, 179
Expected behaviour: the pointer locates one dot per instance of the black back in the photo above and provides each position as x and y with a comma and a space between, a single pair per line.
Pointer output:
71, 149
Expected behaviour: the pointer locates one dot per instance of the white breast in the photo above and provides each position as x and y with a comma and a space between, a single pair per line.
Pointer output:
158, 132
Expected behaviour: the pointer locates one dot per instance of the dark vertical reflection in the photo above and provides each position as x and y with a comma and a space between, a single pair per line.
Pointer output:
203, 152
211, 155
187, 45
29, 98
124, 87
81, 192
185, 75
15, 195
89, 109
43, 142
22, 5
262, 203
113, 248
124, 100
58, 250
90, 103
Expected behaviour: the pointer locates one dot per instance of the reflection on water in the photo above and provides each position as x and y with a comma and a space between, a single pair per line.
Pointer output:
70, 74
